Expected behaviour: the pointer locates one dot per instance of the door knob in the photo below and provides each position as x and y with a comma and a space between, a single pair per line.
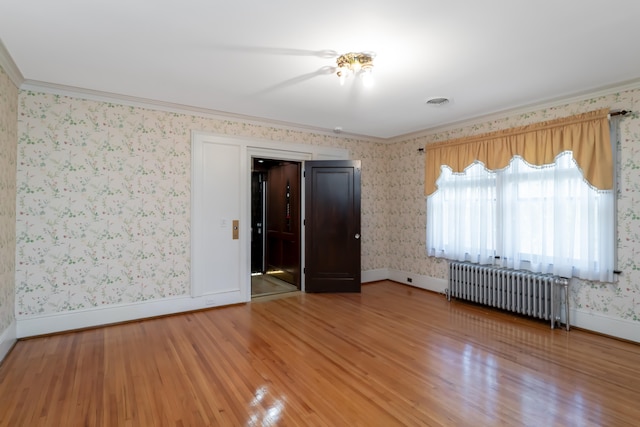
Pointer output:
357, 236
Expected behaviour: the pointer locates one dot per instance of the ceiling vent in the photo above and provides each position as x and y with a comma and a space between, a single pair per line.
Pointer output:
439, 100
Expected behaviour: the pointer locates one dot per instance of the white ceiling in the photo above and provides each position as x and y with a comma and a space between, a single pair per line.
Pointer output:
275, 59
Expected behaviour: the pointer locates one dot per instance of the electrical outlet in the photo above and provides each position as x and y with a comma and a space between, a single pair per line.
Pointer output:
409, 279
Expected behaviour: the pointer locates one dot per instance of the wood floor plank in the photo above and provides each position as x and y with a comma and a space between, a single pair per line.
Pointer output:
392, 355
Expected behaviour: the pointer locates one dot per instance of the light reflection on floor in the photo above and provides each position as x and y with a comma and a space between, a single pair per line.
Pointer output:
265, 410
483, 384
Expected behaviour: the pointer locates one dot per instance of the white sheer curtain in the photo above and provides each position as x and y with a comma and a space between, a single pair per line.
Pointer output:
543, 219
462, 216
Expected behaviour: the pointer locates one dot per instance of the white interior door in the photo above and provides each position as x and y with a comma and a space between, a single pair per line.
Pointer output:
217, 223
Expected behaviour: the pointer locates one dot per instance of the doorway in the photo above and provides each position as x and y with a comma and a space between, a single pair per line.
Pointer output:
275, 226
221, 167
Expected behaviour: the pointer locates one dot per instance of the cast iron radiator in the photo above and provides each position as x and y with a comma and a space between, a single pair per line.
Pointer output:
531, 294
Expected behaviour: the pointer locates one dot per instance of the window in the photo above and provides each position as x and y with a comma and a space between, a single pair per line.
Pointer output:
541, 218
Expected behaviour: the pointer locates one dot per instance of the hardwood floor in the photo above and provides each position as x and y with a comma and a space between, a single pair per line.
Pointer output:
392, 355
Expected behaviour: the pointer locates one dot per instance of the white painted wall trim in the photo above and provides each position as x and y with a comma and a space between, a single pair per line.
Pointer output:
9, 66
94, 95
7, 340
170, 107
595, 322
523, 109
374, 275
419, 281
60, 322
606, 325
249, 147
100, 316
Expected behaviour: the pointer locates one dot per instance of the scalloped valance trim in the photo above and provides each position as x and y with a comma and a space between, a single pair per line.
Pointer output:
586, 135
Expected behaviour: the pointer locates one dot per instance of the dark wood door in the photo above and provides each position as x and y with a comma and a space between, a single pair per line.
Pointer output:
332, 226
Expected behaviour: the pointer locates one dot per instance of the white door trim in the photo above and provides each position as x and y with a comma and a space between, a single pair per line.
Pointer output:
249, 147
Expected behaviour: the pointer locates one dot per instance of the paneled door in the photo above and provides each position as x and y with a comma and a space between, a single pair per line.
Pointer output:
332, 226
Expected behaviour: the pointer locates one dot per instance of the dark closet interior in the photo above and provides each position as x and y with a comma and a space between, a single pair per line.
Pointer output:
275, 219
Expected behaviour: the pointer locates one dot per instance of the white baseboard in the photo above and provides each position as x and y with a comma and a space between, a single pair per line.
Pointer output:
411, 279
7, 340
374, 275
606, 325
595, 322
59, 322
419, 281
99, 316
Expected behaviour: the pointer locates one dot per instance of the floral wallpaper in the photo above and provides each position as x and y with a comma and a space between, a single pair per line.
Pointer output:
103, 196
407, 206
8, 137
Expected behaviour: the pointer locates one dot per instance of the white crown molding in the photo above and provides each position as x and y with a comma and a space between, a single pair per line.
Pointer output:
132, 101
15, 75
523, 109
9, 66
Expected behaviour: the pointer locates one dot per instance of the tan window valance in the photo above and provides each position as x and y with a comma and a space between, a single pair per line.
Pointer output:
586, 135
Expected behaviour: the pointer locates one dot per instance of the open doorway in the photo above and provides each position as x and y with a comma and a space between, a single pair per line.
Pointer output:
275, 226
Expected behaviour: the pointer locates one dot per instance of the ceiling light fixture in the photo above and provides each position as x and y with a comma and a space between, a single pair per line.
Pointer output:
356, 64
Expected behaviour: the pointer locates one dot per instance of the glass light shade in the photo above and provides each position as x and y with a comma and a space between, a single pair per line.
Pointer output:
367, 77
